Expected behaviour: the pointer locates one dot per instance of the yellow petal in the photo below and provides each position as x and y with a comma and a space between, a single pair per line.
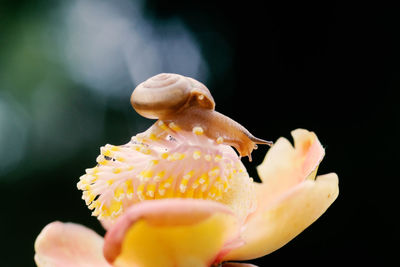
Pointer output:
286, 166
174, 232
271, 228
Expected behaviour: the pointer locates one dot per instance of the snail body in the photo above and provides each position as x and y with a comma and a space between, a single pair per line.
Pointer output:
190, 105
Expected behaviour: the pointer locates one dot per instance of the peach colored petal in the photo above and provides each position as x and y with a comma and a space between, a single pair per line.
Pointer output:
286, 166
273, 227
69, 245
171, 232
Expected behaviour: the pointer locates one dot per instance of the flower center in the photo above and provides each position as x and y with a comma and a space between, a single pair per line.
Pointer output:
163, 162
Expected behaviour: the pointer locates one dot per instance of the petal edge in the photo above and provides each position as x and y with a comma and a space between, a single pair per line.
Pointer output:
273, 227
67, 245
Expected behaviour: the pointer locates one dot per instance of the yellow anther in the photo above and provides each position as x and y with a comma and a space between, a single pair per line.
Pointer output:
103, 162
195, 184
184, 182
119, 193
161, 191
196, 154
117, 170
203, 178
173, 126
214, 171
188, 175
198, 130
167, 183
95, 170
220, 140
148, 174
140, 188
153, 137
162, 125
164, 155
145, 175
218, 158
107, 153
88, 196
110, 182
226, 185
130, 168
207, 157
121, 159
176, 156
129, 188
182, 188
213, 191
94, 205
115, 208
115, 148
158, 177
204, 187
145, 151
153, 162
88, 180
150, 190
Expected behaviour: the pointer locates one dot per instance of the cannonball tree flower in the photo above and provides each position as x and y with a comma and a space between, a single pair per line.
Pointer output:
179, 197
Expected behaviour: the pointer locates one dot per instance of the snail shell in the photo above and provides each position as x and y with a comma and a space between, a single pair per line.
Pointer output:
189, 104
166, 94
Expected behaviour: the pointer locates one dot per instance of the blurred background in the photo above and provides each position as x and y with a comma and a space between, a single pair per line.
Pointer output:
67, 69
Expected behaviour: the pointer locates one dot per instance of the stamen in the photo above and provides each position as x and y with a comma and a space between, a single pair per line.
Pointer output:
220, 140
198, 130
159, 163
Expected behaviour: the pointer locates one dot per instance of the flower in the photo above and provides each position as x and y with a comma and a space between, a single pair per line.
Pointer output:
215, 214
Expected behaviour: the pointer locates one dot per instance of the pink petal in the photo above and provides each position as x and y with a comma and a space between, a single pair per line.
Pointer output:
171, 232
286, 166
69, 245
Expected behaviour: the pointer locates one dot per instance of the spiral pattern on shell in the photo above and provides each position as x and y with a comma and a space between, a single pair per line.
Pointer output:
167, 93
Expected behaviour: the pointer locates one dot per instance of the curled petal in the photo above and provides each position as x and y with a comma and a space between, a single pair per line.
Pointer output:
286, 166
171, 232
271, 228
69, 245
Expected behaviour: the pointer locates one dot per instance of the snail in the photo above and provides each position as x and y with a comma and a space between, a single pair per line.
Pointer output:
189, 104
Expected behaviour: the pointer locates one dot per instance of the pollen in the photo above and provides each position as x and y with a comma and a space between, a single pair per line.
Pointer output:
220, 140
117, 170
198, 130
163, 162
153, 137
196, 154
173, 126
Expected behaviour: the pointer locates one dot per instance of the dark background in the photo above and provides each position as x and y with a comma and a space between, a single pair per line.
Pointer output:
330, 67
